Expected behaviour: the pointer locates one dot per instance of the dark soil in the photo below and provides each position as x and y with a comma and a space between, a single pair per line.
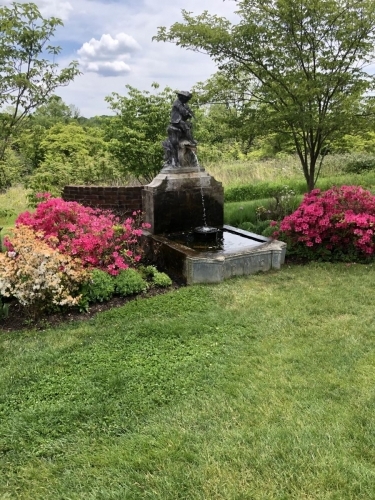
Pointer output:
20, 319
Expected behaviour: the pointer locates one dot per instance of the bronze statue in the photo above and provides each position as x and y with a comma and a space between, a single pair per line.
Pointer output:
180, 146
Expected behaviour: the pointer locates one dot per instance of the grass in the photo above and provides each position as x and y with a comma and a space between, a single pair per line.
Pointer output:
256, 388
12, 203
237, 173
284, 169
266, 189
15, 201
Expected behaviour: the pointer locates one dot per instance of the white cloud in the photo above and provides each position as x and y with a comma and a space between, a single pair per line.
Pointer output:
118, 58
108, 68
56, 8
49, 8
107, 55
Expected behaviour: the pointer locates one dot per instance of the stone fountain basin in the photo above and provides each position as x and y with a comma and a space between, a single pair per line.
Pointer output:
247, 253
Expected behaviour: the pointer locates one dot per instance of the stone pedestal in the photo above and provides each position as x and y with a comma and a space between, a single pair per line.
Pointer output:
172, 202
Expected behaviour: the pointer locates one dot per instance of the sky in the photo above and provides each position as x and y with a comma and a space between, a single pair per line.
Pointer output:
112, 40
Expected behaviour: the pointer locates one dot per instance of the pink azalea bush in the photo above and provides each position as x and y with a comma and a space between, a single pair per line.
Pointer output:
95, 236
337, 224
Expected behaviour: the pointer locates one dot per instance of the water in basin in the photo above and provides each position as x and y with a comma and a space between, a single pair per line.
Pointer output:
226, 241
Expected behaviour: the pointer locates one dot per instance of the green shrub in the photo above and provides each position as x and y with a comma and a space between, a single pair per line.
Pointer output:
4, 309
248, 226
364, 177
6, 213
251, 215
362, 163
100, 287
261, 226
156, 277
129, 282
268, 231
161, 280
147, 272
263, 190
235, 214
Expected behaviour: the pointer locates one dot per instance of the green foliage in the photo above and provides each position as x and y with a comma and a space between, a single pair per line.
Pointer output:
272, 145
255, 215
54, 111
303, 65
147, 272
12, 203
4, 309
27, 144
161, 280
263, 190
136, 132
224, 152
268, 230
27, 78
15, 169
129, 282
69, 140
71, 154
360, 141
157, 278
360, 164
231, 116
50, 178
99, 288
238, 213
35, 140
6, 212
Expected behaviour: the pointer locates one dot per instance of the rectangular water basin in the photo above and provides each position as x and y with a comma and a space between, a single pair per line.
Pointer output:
236, 253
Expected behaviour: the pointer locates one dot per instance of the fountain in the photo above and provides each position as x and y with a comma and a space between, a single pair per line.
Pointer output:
184, 207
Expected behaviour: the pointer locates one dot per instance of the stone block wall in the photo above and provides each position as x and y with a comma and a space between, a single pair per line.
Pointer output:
121, 199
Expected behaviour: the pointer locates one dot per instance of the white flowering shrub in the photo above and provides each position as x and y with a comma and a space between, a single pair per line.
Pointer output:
37, 275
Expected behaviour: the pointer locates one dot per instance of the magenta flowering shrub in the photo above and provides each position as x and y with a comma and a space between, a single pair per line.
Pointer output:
337, 224
96, 236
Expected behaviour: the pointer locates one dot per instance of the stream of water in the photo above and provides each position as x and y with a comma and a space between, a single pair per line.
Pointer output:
202, 195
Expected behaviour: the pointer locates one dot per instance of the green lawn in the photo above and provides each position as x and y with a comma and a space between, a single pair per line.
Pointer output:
256, 388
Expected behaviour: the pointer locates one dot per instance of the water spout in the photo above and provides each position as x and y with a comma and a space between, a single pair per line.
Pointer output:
202, 194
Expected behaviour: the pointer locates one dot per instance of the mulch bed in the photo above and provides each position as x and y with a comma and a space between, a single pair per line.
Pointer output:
19, 319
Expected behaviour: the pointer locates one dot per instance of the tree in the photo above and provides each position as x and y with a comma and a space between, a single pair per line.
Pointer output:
26, 78
232, 110
136, 132
71, 154
27, 143
53, 111
305, 61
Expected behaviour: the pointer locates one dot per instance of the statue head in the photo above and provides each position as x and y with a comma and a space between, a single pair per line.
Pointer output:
184, 95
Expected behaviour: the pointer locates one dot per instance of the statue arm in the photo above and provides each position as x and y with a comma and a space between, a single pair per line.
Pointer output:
184, 111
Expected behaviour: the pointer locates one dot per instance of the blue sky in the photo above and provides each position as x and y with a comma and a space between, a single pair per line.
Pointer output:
112, 40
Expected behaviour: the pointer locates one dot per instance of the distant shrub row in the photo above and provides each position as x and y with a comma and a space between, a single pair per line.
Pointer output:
263, 190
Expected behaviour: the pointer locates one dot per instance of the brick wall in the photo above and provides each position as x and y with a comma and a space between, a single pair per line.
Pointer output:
122, 199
